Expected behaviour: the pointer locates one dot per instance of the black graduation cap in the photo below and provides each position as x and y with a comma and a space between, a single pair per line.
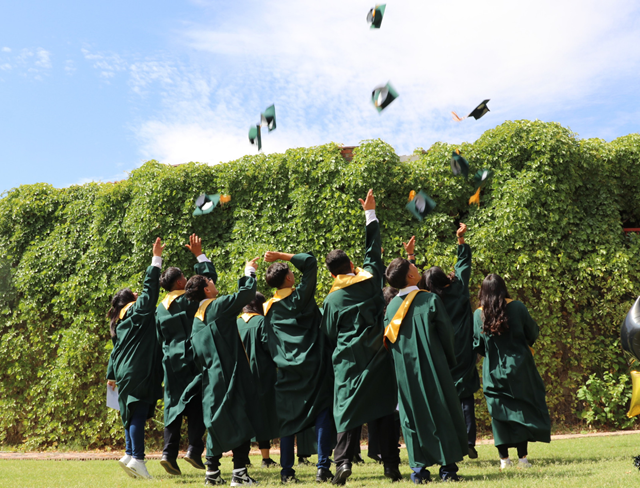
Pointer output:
630, 331
421, 205
268, 117
459, 165
382, 96
374, 17
476, 113
255, 137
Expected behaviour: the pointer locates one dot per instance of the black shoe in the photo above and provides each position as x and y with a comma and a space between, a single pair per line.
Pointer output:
324, 475
473, 454
304, 461
170, 466
342, 473
392, 472
241, 478
195, 461
289, 479
213, 478
451, 477
357, 459
269, 463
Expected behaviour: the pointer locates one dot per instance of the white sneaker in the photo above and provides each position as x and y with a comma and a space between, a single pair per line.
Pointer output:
505, 463
124, 460
139, 468
524, 463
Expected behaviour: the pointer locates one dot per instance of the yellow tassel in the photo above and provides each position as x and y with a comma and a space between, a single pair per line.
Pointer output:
412, 195
475, 198
634, 408
225, 199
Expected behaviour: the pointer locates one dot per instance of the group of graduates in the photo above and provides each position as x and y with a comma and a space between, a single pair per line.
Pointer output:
241, 367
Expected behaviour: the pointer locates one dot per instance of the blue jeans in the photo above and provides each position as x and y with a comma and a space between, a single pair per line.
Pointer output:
134, 434
323, 431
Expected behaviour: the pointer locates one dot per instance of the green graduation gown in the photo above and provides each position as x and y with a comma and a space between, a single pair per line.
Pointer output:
298, 348
173, 326
456, 302
512, 386
227, 385
263, 371
431, 417
136, 358
365, 386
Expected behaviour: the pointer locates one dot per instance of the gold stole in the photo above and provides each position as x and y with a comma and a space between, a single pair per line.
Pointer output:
391, 332
509, 300
170, 297
277, 296
247, 316
124, 310
203, 308
343, 281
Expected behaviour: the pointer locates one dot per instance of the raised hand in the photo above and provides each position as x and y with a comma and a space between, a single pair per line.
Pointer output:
271, 256
195, 245
158, 246
253, 263
463, 228
410, 246
369, 203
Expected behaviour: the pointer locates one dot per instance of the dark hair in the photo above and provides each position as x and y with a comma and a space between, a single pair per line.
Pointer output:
389, 294
338, 262
118, 302
276, 274
492, 296
435, 280
396, 273
169, 277
255, 306
194, 291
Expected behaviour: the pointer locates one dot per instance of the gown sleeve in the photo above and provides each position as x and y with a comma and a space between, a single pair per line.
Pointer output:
373, 253
478, 343
530, 327
444, 330
463, 266
148, 299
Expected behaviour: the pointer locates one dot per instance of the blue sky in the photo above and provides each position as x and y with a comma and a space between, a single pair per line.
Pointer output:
91, 90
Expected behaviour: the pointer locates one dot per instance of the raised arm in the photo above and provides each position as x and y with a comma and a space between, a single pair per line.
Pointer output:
373, 255
231, 306
204, 267
148, 299
410, 248
444, 329
463, 265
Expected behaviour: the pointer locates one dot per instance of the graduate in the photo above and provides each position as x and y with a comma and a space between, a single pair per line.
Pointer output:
453, 290
135, 363
298, 348
365, 386
182, 383
420, 337
504, 333
230, 414
263, 370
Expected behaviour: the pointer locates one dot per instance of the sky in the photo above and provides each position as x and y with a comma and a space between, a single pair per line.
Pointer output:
91, 90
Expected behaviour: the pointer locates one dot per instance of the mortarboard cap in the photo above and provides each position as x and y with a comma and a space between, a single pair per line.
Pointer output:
255, 137
476, 113
268, 117
382, 96
630, 331
459, 165
206, 203
421, 205
480, 180
374, 17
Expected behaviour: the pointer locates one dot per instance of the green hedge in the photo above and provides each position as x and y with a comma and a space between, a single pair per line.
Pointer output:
550, 222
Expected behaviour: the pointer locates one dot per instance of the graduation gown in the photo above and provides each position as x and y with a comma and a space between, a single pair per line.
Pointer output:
353, 313
230, 412
174, 320
298, 348
431, 417
512, 386
456, 302
135, 362
263, 370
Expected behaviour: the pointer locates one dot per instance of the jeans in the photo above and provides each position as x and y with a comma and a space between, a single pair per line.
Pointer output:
193, 412
134, 434
468, 409
323, 431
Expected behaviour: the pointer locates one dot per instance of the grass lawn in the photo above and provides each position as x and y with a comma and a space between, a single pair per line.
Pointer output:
588, 462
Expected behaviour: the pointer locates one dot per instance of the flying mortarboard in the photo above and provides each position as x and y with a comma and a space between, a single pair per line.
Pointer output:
255, 137
459, 165
421, 205
206, 203
630, 331
268, 117
476, 113
374, 17
480, 180
382, 96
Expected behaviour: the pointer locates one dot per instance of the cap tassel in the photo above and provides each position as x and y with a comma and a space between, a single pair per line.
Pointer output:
412, 195
225, 199
456, 117
475, 198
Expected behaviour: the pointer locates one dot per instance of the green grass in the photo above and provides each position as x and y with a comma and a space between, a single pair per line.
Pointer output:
588, 462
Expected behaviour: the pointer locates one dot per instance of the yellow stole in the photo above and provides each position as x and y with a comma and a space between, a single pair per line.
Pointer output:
247, 316
343, 281
277, 296
124, 310
203, 308
509, 300
170, 297
391, 332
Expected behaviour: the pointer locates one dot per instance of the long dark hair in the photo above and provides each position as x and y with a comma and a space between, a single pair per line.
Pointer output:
435, 280
118, 301
492, 296
255, 306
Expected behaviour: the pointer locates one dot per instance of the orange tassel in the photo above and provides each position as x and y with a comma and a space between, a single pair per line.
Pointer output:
475, 198
412, 195
456, 117
225, 199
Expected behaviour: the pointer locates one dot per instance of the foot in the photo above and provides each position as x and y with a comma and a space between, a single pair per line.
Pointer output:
269, 463
473, 454
342, 473
303, 461
124, 460
241, 477
289, 479
213, 478
324, 475
524, 463
424, 476
505, 463
139, 468
193, 460
170, 466
357, 459
451, 477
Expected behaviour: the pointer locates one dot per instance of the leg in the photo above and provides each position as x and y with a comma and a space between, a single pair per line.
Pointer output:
213, 460
323, 431
388, 442
346, 446
196, 427
241, 455
420, 475
264, 447
522, 449
172, 439
374, 444
468, 409
449, 472
503, 451
286, 456
128, 450
136, 429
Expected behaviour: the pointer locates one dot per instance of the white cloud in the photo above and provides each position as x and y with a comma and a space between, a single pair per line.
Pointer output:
107, 64
6, 49
43, 59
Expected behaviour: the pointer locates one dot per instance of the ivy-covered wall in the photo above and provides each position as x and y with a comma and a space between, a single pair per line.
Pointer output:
550, 222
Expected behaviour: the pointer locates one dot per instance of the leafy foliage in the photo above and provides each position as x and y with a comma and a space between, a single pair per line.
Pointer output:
550, 222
